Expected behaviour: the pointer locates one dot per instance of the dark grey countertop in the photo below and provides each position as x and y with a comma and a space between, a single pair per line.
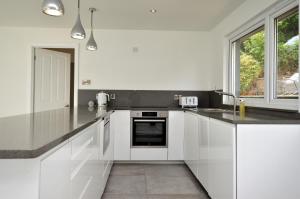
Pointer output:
31, 135
251, 117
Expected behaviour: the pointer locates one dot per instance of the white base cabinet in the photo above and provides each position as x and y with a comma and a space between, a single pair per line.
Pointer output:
203, 142
268, 161
209, 151
175, 135
243, 161
221, 160
149, 154
120, 126
55, 174
191, 145
76, 169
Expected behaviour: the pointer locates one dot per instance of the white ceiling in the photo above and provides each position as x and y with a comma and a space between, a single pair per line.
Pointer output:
122, 14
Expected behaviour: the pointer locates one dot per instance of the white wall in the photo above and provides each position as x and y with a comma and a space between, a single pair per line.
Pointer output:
237, 18
166, 60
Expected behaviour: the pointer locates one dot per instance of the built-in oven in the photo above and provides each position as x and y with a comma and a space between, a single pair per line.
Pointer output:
149, 129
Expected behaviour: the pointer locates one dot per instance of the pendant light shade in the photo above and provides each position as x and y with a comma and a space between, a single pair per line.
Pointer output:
78, 31
53, 7
91, 44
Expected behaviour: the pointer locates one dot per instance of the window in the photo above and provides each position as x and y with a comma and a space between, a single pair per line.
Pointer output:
287, 52
249, 50
264, 58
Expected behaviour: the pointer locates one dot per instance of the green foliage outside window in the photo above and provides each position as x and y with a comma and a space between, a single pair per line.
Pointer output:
252, 55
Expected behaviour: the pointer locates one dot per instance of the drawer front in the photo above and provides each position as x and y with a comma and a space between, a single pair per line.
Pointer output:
81, 142
86, 167
149, 154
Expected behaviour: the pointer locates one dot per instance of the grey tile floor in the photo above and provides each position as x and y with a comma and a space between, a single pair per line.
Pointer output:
152, 181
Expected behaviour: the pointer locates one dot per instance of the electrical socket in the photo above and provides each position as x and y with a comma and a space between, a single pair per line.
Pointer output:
177, 97
112, 96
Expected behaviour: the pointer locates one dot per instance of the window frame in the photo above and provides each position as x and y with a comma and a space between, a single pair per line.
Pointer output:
231, 74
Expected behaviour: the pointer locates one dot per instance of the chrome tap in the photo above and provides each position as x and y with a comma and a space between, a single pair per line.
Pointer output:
231, 95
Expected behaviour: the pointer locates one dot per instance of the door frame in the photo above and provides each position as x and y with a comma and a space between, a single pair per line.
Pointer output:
31, 79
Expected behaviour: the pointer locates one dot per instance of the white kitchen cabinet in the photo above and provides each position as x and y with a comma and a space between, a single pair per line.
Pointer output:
175, 135
78, 168
203, 127
85, 164
191, 145
55, 174
268, 161
222, 161
107, 150
120, 126
149, 154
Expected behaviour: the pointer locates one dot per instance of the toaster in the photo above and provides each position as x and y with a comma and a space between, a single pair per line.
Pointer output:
188, 101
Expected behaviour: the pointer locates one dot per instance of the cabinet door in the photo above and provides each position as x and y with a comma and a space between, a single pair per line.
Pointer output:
175, 135
191, 146
120, 127
203, 150
268, 161
55, 175
222, 160
85, 165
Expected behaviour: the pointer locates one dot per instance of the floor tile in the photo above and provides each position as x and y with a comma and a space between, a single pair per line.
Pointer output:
152, 181
171, 185
123, 196
201, 196
128, 170
167, 170
126, 185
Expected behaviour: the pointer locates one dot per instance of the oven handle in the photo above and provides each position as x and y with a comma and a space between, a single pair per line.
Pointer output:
137, 120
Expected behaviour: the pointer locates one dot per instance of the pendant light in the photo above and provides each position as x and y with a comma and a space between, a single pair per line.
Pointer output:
53, 7
91, 44
78, 31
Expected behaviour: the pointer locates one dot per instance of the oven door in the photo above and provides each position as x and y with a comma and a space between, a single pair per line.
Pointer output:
149, 132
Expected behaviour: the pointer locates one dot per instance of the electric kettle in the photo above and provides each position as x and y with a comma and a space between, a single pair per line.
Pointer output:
102, 99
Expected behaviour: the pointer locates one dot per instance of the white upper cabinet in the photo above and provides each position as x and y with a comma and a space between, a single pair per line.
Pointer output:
175, 135
120, 126
191, 145
203, 150
222, 161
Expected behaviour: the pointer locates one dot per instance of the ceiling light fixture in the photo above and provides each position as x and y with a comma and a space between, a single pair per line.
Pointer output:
78, 31
91, 44
153, 10
53, 7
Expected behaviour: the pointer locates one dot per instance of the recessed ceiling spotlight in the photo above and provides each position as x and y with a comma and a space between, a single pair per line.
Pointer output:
153, 10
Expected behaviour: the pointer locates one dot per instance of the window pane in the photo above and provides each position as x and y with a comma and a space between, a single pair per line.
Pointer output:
250, 54
287, 44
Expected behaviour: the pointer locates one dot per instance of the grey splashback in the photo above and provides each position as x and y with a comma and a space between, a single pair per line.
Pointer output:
148, 98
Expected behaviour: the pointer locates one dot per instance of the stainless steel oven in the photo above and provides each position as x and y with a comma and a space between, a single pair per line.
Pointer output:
149, 129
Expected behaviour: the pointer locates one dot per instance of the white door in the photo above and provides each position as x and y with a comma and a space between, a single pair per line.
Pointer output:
51, 80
